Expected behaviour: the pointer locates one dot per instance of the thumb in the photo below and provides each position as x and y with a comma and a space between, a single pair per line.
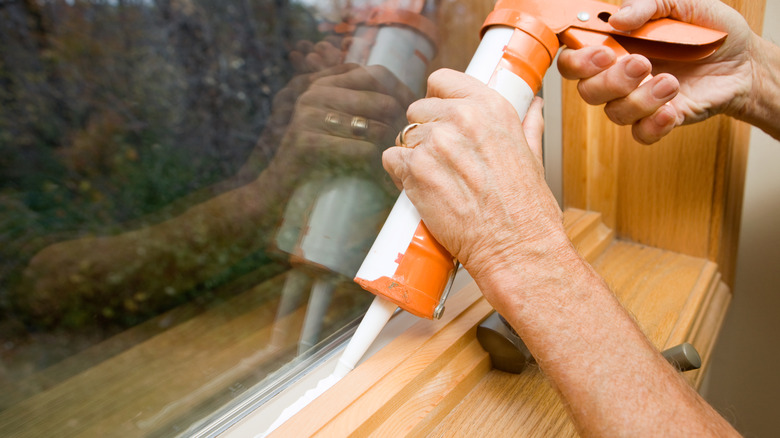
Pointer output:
533, 127
395, 161
634, 13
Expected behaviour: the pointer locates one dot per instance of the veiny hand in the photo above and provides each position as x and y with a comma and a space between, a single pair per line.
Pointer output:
680, 93
475, 177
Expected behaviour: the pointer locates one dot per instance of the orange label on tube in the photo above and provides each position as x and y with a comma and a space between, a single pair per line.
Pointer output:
423, 273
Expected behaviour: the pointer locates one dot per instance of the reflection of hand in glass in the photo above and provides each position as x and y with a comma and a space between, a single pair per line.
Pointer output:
308, 61
343, 121
141, 270
309, 57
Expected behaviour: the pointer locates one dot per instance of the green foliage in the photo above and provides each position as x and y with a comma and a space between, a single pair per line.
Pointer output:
112, 110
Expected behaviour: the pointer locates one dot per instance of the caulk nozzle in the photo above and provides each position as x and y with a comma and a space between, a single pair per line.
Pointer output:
342, 369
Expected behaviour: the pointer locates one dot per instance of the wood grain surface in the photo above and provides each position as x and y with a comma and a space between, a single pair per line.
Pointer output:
440, 384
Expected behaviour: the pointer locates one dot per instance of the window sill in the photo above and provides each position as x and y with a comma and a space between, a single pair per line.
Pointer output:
434, 378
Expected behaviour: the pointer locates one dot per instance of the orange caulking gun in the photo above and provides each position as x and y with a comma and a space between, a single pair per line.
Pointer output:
406, 267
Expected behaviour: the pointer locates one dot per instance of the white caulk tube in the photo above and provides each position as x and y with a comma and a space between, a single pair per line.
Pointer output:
406, 265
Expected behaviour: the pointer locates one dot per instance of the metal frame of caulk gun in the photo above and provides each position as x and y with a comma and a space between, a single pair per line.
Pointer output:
402, 41
520, 40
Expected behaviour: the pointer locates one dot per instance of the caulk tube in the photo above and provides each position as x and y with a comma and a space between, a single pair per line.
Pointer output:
406, 265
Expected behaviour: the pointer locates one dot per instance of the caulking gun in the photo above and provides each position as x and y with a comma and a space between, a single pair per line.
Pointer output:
520, 39
406, 267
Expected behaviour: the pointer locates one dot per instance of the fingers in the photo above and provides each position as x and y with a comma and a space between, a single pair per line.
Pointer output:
450, 84
651, 129
318, 150
403, 138
371, 105
615, 82
372, 78
453, 87
395, 161
324, 55
585, 62
630, 98
298, 56
644, 101
308, 57
632, 13
346, 125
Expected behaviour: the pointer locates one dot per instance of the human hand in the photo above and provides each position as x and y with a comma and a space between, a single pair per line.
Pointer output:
343, 120
309, 61
475, 174
680, 92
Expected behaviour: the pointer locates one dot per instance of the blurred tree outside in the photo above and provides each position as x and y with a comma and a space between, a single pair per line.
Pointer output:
113, 111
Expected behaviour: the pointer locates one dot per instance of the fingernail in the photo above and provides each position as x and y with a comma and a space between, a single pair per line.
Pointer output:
603, 58
636, 68
664, 89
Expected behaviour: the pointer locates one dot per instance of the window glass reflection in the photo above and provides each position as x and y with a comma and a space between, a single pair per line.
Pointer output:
187, 188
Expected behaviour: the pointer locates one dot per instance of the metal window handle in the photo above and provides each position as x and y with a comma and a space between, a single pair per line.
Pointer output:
683, 357
507, 351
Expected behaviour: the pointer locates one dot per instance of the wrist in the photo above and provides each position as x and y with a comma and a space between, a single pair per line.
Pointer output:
529, 270
762, 103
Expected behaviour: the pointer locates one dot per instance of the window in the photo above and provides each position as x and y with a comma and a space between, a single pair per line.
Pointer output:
172, 176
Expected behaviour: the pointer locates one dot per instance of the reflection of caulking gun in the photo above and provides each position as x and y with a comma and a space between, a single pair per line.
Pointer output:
520, 39
329, 221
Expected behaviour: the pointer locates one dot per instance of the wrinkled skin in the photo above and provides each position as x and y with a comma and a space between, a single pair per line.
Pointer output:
474, 171
679, 93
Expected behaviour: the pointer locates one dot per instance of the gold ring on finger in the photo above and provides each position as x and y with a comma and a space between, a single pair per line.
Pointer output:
332, 122
359, 127
407, 128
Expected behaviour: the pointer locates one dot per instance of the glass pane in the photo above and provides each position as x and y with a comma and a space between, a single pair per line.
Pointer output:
187, 188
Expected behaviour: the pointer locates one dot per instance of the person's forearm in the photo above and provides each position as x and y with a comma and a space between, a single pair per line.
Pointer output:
613, 381
158, 260
763, 104
210, 236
